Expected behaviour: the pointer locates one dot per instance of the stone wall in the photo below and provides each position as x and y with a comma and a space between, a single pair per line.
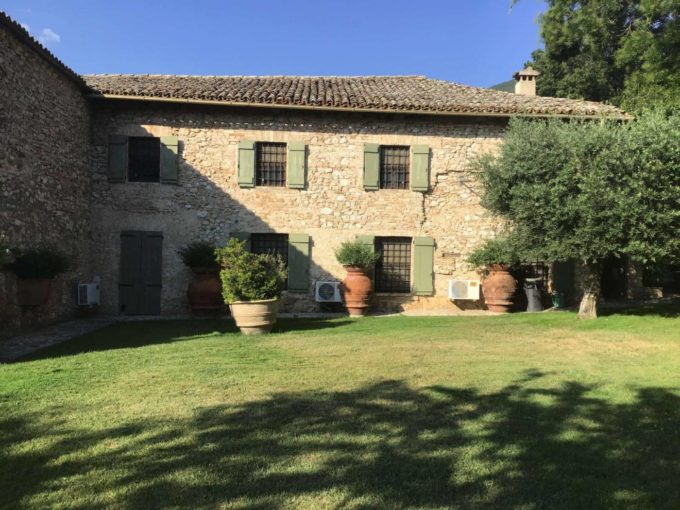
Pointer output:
208, 204
44, 174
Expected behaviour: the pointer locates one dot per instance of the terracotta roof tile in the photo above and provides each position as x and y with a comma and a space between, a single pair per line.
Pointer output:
408, 94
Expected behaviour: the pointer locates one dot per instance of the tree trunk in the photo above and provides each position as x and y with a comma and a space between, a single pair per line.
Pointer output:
591, 295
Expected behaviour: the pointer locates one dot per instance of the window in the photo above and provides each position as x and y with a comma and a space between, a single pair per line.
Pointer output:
144, 159
270, 243
270, 169
393, 270
394, 167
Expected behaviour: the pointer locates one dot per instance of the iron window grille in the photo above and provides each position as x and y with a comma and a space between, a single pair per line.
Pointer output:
274, 244
271, 164
144, 159
393, 269
394, 167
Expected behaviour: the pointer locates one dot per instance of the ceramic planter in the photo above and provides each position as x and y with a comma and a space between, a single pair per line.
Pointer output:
32, 292
205, 292
356, 290
499, 289
255, 317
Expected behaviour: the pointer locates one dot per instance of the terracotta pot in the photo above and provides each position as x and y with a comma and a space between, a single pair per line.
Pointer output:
205, 292
33, 292
499, 289
255, 317
356, 289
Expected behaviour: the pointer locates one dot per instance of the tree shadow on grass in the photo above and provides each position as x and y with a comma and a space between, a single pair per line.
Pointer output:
670, 309
126, 335
384, 445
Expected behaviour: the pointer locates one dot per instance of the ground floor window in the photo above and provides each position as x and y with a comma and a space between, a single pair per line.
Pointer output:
393, 269
275, 244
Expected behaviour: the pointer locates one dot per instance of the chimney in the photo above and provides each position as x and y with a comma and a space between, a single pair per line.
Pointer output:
526, 81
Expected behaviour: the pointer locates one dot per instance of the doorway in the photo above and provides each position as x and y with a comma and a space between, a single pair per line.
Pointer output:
140, 281
614, 271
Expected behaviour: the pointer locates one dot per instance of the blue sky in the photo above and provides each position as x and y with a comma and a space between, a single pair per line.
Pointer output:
477, 42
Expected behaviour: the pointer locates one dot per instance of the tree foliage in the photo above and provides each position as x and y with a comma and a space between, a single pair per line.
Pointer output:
622, 51
586, 190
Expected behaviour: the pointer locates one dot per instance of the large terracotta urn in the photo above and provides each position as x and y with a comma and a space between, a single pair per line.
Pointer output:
32, 292
356, 290
255, 317
205, 292
499, 289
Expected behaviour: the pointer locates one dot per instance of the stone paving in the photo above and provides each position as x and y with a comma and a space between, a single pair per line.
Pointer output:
22, 345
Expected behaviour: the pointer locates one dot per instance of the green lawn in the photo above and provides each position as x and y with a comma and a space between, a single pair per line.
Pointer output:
520, 411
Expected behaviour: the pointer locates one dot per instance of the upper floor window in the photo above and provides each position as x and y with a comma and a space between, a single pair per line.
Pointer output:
394, 167
144, 159
393, 269
270, 169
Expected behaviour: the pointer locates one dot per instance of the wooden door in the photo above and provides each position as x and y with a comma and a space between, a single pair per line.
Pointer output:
140, 282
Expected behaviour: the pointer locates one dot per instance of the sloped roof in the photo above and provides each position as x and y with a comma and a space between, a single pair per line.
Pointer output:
398, 94
22, 35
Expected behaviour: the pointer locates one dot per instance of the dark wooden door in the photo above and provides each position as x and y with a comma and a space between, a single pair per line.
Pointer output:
140, 282
614, 270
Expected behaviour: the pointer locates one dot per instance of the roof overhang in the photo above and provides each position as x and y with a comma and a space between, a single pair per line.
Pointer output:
155, 99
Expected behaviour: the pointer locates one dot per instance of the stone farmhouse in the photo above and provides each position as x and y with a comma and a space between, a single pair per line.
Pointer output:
119, 172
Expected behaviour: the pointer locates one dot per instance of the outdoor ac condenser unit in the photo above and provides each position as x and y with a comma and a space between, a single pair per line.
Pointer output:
88, 294
327, 292
464, 289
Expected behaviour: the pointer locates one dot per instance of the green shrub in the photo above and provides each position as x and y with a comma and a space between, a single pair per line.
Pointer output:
37, 263
248, 276
354, 253
199, 255
499, 251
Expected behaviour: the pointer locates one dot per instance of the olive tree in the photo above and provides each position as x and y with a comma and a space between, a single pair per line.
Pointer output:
589, 189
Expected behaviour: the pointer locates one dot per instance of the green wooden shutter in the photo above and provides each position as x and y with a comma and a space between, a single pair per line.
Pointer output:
118, 158
296, 165
423, 266
242, 236
298, 263
371, 166
169, 145
246, 164
368, 240
130, 286
420, 168
152, 272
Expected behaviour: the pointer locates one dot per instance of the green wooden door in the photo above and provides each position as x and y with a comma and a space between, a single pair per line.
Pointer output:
140, 281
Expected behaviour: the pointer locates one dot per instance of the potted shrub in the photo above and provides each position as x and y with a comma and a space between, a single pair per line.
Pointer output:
205, 290
494, 259
252, 285
357, 259
35, 269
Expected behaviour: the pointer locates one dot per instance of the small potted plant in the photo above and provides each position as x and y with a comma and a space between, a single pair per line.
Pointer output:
205, 290
252, 285
35, 269
493, 259
358, 259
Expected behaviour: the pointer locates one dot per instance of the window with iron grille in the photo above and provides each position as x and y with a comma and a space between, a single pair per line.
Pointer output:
275, 244
144, 159
271, 164
394, 167
393, 269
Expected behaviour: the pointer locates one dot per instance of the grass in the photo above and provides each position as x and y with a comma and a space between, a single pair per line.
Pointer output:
521, 411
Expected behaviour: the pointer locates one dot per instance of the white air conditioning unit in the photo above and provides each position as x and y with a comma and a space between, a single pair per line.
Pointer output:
464, 289
88, 294
327, 292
